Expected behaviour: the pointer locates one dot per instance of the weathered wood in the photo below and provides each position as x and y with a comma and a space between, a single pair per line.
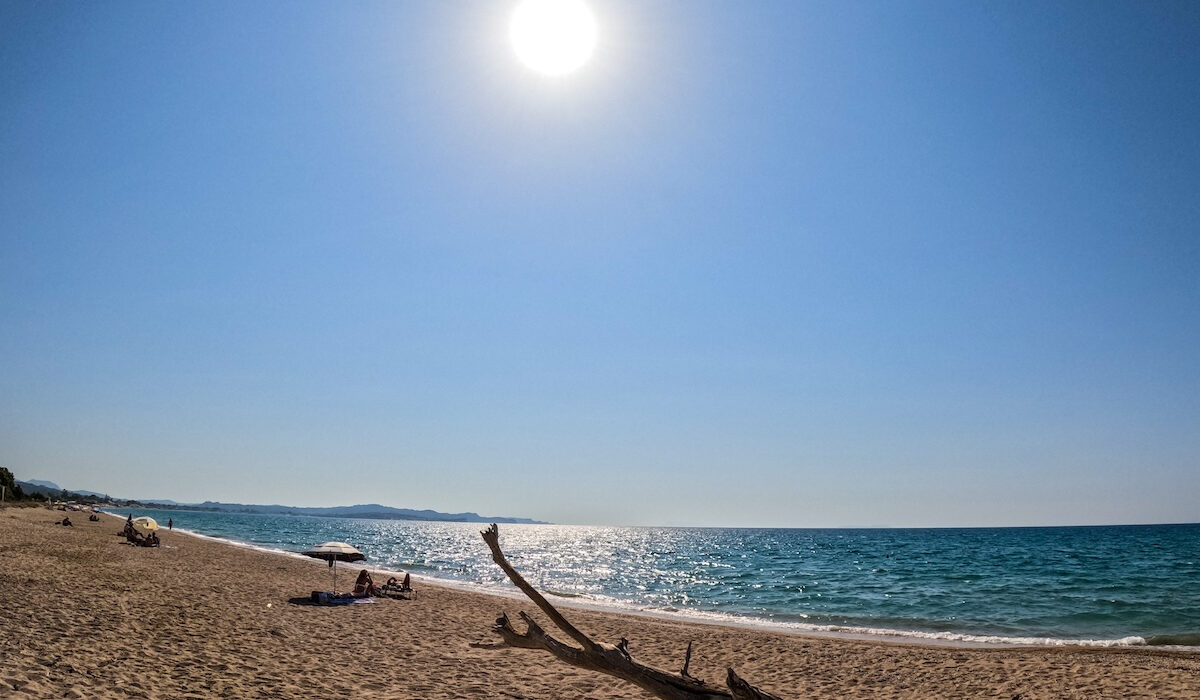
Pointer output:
744, 691
492, 537
613, 660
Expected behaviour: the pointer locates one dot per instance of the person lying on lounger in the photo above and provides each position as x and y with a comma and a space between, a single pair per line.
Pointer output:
401, 590
364, 586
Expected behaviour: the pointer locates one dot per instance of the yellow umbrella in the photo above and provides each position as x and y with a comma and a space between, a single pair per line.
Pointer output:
145, 525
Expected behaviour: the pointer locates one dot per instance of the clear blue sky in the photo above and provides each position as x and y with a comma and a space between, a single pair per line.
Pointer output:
794, 263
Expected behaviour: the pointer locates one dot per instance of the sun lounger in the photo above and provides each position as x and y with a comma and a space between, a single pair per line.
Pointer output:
402, 590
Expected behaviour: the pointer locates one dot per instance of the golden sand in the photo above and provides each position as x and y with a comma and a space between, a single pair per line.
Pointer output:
84, 615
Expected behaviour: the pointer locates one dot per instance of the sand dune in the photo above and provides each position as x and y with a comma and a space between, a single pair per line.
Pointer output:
84, 615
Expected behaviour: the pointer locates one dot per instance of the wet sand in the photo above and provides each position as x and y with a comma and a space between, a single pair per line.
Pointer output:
84, 615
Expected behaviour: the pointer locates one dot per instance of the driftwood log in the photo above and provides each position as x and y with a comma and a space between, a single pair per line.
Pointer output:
605, 658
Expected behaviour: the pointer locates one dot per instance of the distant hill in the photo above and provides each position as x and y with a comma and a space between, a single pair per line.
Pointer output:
373, 511
53, 490
369, 510
31, 487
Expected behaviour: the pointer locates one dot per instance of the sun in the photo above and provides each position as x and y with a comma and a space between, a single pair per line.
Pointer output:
553, 37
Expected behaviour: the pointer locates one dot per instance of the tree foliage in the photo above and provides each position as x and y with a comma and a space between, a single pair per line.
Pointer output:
9, 483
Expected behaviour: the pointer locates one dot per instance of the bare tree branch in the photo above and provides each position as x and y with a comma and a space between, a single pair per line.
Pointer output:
605, 658
744, 691
492, 537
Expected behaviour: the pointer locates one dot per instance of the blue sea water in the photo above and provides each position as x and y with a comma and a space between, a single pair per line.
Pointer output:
1119, 585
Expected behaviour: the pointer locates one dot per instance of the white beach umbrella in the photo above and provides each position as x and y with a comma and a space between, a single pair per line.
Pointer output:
145, 525
334, 552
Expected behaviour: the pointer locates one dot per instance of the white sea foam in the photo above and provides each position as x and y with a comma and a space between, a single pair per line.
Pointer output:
838, 631
606, 604
226, 540
600, 602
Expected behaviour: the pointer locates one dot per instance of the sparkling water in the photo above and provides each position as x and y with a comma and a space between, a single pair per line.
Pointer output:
1120, 585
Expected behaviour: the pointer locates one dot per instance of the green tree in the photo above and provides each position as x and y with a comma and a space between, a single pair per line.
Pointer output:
9, 484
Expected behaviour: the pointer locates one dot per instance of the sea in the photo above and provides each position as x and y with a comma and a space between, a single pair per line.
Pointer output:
1130, 585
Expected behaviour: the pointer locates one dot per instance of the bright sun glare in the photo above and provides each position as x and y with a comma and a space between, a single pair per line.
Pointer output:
553, 36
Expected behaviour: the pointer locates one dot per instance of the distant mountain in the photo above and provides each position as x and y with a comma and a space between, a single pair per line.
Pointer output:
52, 490
32, 487
373, 511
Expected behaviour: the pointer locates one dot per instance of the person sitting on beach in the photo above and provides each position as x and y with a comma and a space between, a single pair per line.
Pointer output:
66, 521
150, 540
364, 586
398, 587
94, 518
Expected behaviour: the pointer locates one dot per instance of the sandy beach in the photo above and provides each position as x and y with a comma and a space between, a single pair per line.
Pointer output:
84, 615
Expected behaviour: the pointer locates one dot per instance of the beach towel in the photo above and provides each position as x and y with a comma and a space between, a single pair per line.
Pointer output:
323, 598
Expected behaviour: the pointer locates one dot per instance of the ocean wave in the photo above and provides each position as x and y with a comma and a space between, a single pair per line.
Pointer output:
608, 604
778, 580
1174, 640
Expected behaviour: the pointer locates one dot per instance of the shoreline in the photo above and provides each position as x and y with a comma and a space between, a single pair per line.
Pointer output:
85, 615
890, 636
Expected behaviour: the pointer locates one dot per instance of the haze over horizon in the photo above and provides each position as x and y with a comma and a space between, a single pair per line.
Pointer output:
167, 503
802, 265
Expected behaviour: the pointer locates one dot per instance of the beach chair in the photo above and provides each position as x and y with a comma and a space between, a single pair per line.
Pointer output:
401, 591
